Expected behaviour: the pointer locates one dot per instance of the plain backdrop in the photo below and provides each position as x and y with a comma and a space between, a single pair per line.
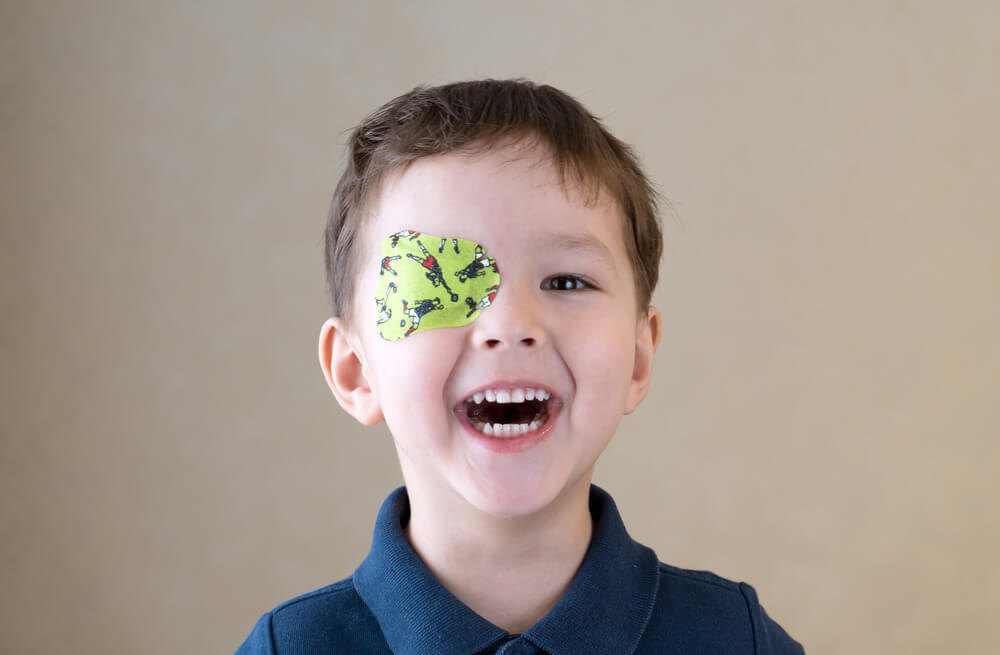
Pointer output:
823, 419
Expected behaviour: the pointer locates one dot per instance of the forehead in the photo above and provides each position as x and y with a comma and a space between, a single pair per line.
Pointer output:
513, 188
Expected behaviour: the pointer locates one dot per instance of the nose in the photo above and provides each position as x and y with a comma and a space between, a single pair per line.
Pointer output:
513, 320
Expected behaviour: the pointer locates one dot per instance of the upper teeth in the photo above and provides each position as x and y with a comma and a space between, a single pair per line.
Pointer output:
518, 395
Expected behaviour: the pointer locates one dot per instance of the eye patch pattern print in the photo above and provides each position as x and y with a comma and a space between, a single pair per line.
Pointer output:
427, 282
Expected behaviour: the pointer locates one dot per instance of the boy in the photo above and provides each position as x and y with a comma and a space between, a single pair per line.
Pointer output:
510, 245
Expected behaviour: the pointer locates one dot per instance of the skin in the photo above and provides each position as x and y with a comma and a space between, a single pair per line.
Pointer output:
505, 533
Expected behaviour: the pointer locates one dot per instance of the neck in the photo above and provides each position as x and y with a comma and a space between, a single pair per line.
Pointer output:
511, 570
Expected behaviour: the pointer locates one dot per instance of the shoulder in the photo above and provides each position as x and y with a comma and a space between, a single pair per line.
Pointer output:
704, 580
713, 614
324, 620
702, 598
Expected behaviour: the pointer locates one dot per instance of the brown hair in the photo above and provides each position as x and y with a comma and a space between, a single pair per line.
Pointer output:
472, 117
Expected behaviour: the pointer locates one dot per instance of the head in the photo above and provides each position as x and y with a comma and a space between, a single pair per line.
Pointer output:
559, 354
470, 117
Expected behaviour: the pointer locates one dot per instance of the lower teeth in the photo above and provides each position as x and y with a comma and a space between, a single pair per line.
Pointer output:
508, 429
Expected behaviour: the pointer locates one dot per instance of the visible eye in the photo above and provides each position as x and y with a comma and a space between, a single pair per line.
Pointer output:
566, 283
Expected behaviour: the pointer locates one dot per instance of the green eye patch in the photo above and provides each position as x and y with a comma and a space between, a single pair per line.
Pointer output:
427, 282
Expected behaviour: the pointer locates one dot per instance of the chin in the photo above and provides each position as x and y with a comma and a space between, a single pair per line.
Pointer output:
509, 499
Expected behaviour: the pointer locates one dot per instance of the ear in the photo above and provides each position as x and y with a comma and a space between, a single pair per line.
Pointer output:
647, 338
344, 368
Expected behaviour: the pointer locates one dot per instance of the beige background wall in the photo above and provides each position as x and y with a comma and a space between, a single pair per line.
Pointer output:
823, 421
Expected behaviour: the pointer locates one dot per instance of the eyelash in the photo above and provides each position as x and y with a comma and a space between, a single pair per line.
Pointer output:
577, 283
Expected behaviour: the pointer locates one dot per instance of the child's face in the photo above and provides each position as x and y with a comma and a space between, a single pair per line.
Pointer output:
564, 321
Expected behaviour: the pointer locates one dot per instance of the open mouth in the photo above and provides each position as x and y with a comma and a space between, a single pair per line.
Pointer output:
508, 413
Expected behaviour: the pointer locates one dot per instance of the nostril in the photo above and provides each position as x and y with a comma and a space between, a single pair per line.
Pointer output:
526, 341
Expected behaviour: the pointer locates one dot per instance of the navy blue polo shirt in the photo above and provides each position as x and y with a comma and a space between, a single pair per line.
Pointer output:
622, 600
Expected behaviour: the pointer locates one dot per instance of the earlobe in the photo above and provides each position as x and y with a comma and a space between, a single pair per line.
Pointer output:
647, 339
343, 366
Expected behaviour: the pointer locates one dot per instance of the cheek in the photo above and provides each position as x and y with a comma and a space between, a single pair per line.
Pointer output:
411, 377
605, 359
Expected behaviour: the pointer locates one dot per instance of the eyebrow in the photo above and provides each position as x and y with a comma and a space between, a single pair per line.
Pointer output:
584, 243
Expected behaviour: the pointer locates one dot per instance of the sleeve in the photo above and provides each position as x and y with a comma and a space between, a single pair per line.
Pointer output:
769, 637
260, 641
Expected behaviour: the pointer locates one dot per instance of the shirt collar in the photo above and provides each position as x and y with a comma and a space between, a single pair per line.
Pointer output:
605, 609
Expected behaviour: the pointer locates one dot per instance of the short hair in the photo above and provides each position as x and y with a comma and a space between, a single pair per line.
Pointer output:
474, 116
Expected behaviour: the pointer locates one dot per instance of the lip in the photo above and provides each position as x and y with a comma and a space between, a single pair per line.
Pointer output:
511, 445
